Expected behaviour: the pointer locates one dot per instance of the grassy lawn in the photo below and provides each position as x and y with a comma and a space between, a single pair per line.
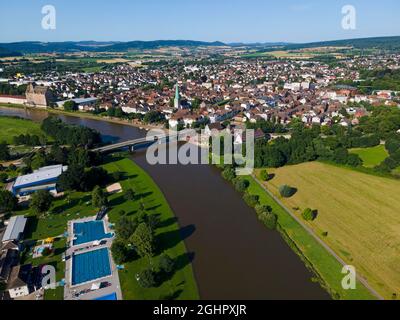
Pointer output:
360, 212
327, 268
11, 127
371, 156
71, 207
182, 285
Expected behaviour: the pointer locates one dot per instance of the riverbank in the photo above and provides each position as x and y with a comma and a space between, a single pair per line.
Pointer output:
87, 115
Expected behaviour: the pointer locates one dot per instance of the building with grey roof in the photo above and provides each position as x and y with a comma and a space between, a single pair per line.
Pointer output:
15, 229
42, 179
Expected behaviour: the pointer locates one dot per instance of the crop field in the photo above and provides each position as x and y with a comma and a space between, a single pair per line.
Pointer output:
359, 213
371, 156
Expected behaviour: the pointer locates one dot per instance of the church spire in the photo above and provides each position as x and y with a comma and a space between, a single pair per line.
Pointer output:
177, 97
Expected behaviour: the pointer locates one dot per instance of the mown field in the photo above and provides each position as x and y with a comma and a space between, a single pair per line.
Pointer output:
360, 213
371, 157
328, 270
11, 127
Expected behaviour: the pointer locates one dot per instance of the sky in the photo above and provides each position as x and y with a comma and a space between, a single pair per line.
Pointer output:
296, 21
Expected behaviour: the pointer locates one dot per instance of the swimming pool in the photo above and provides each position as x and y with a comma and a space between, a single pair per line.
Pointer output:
112, 296
90, 266
85, 232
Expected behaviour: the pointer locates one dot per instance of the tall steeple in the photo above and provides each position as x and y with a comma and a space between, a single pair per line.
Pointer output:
177, 102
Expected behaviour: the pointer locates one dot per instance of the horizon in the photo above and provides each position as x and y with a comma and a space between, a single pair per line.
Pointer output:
236, 21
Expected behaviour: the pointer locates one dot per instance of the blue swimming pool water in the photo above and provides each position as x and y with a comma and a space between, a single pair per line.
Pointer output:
89, 231
90, 266
111, 296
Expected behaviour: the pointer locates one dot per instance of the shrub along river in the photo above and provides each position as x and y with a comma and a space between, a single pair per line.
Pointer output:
234, 256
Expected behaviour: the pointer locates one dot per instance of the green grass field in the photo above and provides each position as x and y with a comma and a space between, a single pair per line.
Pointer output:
11, 127
371, 156
360, 213
78, 205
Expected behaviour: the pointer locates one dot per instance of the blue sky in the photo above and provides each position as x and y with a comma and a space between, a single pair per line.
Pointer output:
208, 20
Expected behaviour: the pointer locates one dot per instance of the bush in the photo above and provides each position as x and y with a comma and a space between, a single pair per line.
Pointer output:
8, 202
309, 214
146, 278
286, 191
264, 176
251, 200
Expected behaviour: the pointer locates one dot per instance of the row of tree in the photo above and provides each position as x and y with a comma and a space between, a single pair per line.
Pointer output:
65, 134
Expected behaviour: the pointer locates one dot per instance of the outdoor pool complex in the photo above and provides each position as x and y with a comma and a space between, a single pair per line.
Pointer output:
90, 231
90, 266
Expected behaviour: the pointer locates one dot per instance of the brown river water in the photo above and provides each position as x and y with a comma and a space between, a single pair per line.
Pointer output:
233, 255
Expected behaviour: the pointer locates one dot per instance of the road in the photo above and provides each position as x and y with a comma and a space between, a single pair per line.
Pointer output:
311, 232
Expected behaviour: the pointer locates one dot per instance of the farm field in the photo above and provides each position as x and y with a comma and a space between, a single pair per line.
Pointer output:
371, 156
359, 212
11, 127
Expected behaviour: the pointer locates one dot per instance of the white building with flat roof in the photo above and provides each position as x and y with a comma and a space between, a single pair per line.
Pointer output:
42, 179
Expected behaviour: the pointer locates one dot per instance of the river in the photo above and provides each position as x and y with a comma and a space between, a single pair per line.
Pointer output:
234, 255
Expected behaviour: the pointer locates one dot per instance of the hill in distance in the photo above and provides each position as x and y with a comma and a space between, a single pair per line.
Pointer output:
18, 48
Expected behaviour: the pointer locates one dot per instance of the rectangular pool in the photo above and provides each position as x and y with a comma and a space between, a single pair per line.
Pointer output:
112, 296
90, 266
90, 231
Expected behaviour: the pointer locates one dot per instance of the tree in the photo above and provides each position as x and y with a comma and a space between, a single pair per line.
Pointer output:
41, 201
8, 202
70, 106
125, 227
264, 176
143, 240
3, 177
4, 151
241, 185
286, 191
309, 214
251, 199
146, 278
72, 178
129, 195
99, 198
120, 252
269, 219
229, 173
166, 264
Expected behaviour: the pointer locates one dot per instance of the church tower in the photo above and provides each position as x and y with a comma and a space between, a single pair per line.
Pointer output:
177, 102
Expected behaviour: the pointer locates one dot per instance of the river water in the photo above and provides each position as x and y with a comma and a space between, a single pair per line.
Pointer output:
234, 255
